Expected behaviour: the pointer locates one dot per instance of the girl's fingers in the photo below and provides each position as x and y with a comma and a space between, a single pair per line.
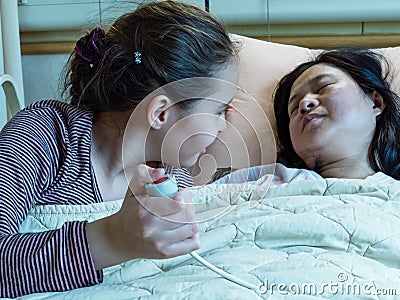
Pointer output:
165, 226
162, 206
170, 222
178, 208
144, 175
167, 250
186, 215
178, 234
185, 246
168, 239
182, 233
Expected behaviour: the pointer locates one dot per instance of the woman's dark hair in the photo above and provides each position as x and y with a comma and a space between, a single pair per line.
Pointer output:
156, 44
367, 70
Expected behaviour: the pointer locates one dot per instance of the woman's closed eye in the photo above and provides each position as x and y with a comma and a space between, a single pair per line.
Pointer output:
293, 108
322, 87
318, 89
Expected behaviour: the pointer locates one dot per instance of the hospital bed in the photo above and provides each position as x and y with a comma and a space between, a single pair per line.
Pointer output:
327, 238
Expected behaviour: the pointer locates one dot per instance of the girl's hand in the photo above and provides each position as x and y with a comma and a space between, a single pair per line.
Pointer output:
145, 227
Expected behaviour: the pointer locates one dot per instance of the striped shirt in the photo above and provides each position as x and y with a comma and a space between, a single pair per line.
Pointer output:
45, 159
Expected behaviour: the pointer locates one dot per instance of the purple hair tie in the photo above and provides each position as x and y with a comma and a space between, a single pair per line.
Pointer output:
92, 51
80, 53
95, 39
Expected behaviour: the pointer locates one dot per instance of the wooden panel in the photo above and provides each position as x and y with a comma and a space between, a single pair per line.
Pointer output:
370, 40
324, 35
51, 36
366, 40
261, 30
47, 48
382, 28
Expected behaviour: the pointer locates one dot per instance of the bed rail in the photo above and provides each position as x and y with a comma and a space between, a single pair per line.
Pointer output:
11, 91
10, 99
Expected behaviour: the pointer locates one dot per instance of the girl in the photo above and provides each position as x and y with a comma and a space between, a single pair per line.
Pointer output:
72, 154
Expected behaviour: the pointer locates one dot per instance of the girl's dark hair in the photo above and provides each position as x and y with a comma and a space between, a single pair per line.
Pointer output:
175, 40
366, 68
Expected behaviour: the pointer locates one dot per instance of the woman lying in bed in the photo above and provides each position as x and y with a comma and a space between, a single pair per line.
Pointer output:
336, 117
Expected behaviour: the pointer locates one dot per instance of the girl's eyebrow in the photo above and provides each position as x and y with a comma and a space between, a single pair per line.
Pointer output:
312, 81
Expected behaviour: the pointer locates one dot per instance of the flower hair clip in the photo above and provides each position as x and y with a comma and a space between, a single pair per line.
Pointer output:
138, 57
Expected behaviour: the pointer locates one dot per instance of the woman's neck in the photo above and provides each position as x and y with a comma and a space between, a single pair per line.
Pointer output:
106, 148
106, 157
115, 158
354, 168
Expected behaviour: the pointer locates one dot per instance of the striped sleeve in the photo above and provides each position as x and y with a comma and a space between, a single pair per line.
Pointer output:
36, 262
48, 261
182, 175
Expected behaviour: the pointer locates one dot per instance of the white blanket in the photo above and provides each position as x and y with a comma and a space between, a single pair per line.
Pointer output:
313, 239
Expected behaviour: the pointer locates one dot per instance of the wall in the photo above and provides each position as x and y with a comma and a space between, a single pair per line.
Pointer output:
41, 75
49, 28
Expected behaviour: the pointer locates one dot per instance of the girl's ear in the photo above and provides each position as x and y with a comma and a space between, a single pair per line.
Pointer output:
157, 111
379, 104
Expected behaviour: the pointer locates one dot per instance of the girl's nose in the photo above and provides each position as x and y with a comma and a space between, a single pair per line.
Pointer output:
221, 123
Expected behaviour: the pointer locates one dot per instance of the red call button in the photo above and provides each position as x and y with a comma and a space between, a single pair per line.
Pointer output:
162, 179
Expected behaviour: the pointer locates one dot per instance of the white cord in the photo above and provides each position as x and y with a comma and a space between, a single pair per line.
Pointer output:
162, 188
224, 274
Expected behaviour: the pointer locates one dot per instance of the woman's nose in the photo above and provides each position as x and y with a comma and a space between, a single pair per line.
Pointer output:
307, 104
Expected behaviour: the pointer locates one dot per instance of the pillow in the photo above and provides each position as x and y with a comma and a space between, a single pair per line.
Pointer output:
249, 139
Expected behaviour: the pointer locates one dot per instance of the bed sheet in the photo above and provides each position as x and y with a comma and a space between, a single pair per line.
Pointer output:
328, 238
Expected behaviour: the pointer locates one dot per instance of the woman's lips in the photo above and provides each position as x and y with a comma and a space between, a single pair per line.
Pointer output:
309, 118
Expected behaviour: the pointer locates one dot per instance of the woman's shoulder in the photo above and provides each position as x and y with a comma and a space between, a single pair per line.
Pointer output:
380, 177
48, 122
55, 109
49, 115
276, 173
